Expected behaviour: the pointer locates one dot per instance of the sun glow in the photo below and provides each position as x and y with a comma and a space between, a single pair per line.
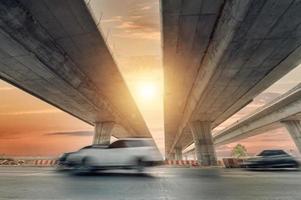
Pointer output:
147, 91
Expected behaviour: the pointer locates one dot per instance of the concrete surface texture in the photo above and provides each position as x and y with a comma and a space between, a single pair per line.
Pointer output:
167, 184
178, 153
218, 55
203, 142
294, 128
54, 51
282, 111
103, 131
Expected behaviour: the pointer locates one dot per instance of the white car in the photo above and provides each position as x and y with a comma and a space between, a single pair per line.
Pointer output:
124, 153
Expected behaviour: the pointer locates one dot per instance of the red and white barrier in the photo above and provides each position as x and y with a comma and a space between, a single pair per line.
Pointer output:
188, 163
28, 161
45, 162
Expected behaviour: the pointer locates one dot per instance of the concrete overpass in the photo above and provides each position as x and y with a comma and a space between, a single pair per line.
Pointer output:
54, 51
283, 111
217, 56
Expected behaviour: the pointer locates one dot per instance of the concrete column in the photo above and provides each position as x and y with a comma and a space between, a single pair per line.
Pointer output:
171, 156
178, 153
204, 148
193, 155
294, 129
103, 132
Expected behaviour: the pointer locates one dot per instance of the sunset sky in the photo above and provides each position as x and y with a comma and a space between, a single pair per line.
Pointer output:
29, 126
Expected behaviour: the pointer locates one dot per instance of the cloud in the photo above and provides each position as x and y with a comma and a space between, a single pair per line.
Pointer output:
111, 20
139, 35
10, 136
6, 88
259, 101
142, 66
142, 22
31, 112
71, 133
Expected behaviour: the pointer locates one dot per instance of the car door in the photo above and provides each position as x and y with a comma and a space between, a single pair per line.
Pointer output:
115, 155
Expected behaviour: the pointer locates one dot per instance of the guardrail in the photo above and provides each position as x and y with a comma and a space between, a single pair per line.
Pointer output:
186, 163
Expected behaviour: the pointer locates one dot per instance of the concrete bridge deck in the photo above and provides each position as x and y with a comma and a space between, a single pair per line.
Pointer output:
54, 51
217, 56
278, 113
275, 114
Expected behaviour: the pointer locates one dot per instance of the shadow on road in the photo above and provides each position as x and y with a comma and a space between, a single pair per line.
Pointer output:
273, 169
112, 174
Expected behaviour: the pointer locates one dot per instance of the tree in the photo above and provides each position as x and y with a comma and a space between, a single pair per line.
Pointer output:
239, 151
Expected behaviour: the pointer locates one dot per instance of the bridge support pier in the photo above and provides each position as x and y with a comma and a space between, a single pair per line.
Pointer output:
204, 148
294, 129
103, 132
171, 156
178, 153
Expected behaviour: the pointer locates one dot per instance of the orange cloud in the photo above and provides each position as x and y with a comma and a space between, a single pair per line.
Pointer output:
31, 112
6, 88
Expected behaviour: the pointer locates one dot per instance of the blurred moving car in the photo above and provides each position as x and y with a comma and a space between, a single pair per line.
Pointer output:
272, 159
123, 153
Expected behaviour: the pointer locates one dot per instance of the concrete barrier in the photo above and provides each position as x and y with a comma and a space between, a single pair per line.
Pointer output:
183, 163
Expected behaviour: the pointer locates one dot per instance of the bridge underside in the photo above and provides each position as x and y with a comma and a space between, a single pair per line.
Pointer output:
54, 50
275, 114
218, 55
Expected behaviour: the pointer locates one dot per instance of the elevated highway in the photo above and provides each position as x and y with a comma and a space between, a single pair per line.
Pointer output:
283, 111
217, 56
54, 51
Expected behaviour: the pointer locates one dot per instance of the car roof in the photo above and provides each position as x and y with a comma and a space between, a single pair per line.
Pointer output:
267, 150
271, 151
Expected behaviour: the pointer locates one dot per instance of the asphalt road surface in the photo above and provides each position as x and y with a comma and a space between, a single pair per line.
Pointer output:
159, 184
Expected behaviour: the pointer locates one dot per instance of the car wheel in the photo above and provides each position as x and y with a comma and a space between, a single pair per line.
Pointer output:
140, 165
296, 165
84, 166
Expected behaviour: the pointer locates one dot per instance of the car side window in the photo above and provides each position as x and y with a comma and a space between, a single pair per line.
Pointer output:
280, 152
134, 143
117, 144
139, 143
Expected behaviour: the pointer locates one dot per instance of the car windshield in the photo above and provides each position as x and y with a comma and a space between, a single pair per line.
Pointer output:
118, 144
94, 147
87, 147
131, 143
272, 153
